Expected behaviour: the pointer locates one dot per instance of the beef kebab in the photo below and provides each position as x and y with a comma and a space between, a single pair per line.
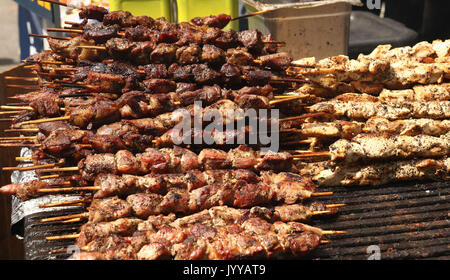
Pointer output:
218, 215
167, 161
97, 236
252, 238
136, 104
270, 188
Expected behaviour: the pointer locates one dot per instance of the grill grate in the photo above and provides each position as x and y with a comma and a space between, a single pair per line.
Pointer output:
404, 220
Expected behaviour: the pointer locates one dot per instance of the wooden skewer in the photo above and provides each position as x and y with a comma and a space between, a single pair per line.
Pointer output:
292, 98
23, 158
30, 79
18, 138
22, 130
305, 141
251, 14
313, 154
335, 205
22, 86
304, 116
61, 169
61, 237
10, 112
64, 203
92, 47
65, 118
74, 220
67, 217
332, 232
314, 213
69, 30
55, 2
43, 62
10, 141
69, 189
26, 168
48, 36
49, 177
321, 242
19, 145
322, 194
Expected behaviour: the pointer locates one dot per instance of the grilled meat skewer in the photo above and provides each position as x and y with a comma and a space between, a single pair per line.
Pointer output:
255, 237
92, 234
383, 173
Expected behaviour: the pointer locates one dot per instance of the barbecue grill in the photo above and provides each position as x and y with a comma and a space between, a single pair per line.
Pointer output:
401, 220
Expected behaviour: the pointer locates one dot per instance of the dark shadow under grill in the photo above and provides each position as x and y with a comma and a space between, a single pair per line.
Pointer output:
402, 220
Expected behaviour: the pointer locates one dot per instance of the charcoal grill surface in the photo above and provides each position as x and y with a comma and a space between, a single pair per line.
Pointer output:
401, 220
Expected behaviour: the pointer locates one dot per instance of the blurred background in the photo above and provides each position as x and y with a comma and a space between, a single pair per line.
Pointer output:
323, 31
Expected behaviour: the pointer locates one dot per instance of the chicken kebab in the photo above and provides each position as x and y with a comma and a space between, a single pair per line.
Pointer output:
394, 69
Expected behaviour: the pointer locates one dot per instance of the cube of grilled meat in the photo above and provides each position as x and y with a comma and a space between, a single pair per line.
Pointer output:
121, 226
93, 12
61, 140
144, 21
207, 95
336, 129
137, 104
112, 83
140, 52
253, 101
212, 55
156, 71
119, 48
189, 35
163, 54
219, 21
108, 209
159, 85
255, 76
47, 104
122, 18
266, 90
227, 40
269, 48
95, 114
210, 35
277, 61
252, 40
183, 87
99, 33
48, 127
239, 57
181, 73
231, 76
69, 49
106, 143
140, 33
188, 54
203, 74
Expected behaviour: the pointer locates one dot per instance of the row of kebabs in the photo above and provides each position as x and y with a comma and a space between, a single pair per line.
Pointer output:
150, 202
345, 115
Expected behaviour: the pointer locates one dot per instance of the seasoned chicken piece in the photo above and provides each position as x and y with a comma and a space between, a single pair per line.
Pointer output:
383, 173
